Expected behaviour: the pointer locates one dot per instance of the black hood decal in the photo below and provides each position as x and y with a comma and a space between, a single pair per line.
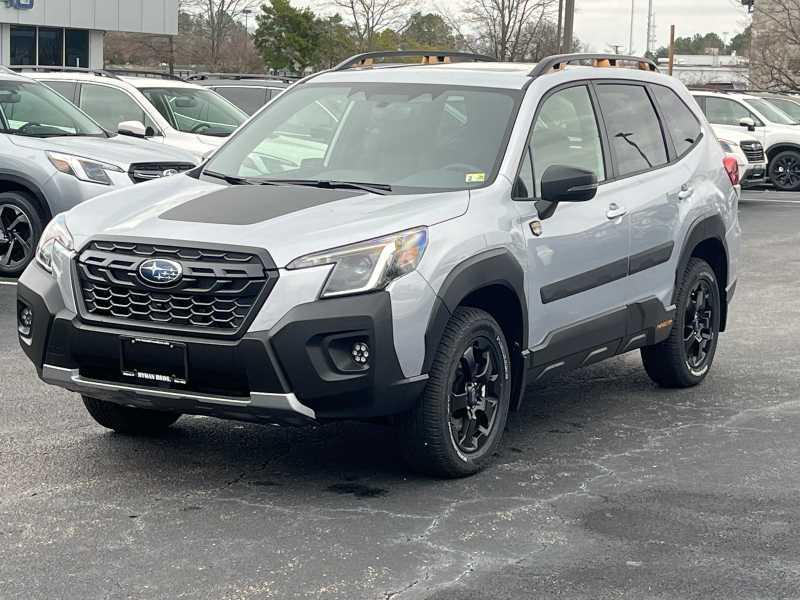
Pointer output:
249, 204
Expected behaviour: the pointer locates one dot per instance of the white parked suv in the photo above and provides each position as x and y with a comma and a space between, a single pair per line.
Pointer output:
156, 107
749, 155
732, 113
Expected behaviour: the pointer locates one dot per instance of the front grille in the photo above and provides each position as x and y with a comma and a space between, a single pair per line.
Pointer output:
754, 151
218, 294
142, 172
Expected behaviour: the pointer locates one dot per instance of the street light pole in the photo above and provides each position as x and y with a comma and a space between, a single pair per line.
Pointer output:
247, 12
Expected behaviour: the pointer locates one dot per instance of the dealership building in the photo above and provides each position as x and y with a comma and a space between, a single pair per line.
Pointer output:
53, 33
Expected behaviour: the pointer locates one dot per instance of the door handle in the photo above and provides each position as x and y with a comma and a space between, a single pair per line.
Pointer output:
615, 211
686, 192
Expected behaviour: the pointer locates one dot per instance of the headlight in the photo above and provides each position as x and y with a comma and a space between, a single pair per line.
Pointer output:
728, 146
82, 168
56, 232
370, 265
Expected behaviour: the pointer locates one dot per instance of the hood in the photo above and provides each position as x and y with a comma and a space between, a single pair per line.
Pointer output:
287, 221
119, 150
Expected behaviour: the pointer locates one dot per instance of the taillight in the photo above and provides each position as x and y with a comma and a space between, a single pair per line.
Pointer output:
732, 169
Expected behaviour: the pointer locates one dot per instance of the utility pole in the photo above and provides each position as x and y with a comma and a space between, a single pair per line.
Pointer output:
671, 48
630, 39
649, 25
569, 22
559, 37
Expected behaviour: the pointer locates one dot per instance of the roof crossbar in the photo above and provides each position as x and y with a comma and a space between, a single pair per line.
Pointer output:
429, 57
555, 63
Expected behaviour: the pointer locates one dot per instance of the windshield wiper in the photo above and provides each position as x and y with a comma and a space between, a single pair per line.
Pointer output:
374, 188
232, 179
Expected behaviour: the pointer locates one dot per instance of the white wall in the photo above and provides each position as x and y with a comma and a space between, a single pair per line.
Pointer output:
141, 16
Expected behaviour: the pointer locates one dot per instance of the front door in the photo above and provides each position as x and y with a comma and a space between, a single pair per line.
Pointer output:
578, 255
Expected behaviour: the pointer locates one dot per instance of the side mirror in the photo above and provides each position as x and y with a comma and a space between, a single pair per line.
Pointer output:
133, 128
748, 122
561, 183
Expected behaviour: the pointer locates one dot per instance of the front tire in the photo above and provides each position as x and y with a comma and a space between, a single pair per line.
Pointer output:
129, 420
784, 171
685, 357
20, 230
459, 420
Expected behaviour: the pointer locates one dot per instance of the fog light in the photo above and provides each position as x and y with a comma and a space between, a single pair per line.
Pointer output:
360, 353
24, 320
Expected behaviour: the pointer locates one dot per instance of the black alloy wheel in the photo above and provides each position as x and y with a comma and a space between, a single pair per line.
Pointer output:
784, 171
475, 396
698, 327
17, 238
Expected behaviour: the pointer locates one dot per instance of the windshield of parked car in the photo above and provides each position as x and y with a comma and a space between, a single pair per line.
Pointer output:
196, 110
433, 137
771, 113
790, 107
33, 109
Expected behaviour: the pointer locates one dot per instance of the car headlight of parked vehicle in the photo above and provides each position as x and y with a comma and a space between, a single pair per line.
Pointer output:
370, 265
56, 232
728, 146
82, 168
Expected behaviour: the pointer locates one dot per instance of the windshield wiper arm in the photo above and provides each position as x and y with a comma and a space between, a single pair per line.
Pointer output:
375, 188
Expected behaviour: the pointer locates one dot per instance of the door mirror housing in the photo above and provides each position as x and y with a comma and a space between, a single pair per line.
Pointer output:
562, 183
134, 129
748, 122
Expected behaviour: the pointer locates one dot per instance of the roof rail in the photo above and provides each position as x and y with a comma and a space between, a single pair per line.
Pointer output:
559, 61
429, 57
58, 69
142, 73
238, 76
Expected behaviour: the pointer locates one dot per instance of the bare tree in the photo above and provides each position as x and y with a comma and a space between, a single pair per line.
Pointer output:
509, 30
775, 51
370, 17
220, 18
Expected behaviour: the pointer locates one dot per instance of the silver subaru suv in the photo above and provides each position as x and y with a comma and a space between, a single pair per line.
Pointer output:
53, 156
411, 242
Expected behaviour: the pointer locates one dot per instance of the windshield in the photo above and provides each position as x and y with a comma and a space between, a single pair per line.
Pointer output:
790, 107
33, 109
771, 113
196, 110
401, 135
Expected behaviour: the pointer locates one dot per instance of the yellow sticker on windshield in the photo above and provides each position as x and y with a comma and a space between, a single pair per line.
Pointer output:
475, 177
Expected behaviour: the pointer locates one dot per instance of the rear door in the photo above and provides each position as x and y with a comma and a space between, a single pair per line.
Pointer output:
578, 259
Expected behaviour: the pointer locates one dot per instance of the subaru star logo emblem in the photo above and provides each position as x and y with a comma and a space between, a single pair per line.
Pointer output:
160, 271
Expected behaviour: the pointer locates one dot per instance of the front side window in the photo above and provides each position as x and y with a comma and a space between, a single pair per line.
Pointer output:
249, 99
682, 125
724, 111
199, 111
771, 113
566, 133
110, 107
33, 109
633, 128
423, 136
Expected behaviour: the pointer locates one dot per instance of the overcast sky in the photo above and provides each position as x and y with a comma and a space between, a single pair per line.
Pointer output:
603, 22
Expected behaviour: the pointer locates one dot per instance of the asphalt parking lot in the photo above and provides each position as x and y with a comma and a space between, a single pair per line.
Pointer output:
606, 486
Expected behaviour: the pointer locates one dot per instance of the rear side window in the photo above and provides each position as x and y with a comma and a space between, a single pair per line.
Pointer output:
65, 88
633, 128
249, 99
682, 125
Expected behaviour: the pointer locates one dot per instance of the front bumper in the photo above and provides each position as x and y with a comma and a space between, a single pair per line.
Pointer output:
754, 174
298, 371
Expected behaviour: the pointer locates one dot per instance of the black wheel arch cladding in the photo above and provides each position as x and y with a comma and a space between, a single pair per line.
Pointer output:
489, 280
14, 182
706, 239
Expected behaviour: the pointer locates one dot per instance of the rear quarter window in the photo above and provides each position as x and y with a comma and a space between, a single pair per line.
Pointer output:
682, 126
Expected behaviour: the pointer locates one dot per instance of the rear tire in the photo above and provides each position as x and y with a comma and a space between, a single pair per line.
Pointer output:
129, 420
459, 420
20, 230
685, 357
784, 171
